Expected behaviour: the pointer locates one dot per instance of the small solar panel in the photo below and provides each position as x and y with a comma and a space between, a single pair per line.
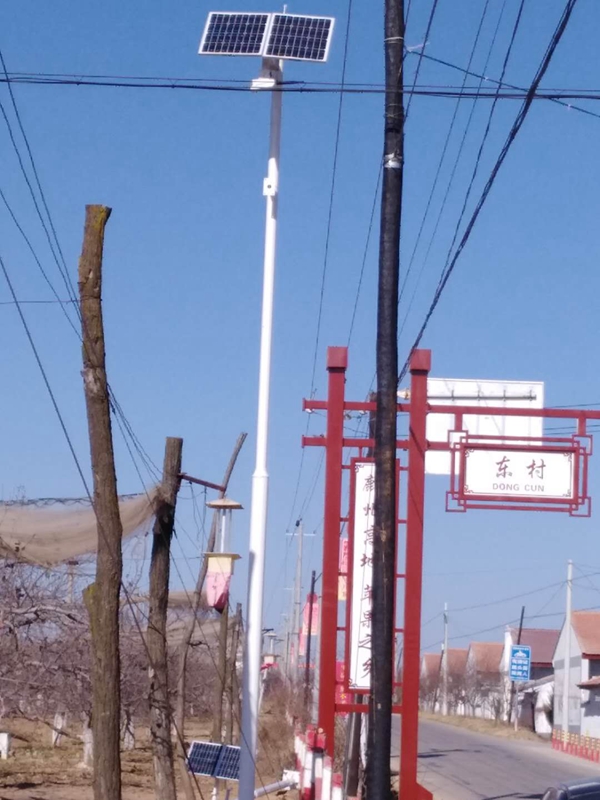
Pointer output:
216, 760
228, 763
292, 36
234, 34
203, 756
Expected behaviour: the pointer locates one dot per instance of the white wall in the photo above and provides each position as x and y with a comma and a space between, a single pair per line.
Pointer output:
575, 677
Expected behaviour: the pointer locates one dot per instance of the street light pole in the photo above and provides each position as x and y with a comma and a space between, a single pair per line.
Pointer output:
260, 478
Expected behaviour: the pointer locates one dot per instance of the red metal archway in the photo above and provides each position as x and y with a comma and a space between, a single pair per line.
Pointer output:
411, 468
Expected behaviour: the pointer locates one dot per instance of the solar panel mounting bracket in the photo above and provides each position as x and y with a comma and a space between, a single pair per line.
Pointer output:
270, 75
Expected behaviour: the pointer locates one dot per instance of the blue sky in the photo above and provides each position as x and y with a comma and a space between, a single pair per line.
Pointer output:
183, 263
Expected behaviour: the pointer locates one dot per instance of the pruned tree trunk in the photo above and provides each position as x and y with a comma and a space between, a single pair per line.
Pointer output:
102, 597
188, 631
160, 711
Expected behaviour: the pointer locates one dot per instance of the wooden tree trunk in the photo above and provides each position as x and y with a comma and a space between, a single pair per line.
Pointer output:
182, 653
102, 597
160, 711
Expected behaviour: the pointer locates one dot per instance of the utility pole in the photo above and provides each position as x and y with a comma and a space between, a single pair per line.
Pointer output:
71, 575
156, 638
313, 581
297, 616
515, 688
567, 671
384, 544
101, 597
445, 665
232, 682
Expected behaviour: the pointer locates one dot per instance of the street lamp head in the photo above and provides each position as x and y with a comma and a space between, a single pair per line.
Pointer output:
224, 504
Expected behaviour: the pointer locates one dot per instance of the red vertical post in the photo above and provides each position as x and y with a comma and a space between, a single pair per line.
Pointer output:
420, 365
337, 363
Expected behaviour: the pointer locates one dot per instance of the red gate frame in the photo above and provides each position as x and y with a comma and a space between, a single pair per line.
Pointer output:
334, 441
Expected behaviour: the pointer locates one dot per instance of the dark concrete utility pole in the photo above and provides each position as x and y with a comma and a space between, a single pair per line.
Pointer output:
378, 782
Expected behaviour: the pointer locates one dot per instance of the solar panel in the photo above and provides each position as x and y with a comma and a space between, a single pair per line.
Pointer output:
228, 763
234, 34
292, 36
202, 757
216, 760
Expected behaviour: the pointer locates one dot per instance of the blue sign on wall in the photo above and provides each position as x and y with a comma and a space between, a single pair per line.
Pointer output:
520, 662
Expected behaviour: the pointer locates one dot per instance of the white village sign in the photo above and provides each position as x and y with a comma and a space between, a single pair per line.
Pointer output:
519, 473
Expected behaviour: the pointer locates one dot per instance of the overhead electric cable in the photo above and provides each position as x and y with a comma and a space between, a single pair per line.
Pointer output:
516, 127
314, 87
468, 73
484, 138
434, 6
62, 265
447, 141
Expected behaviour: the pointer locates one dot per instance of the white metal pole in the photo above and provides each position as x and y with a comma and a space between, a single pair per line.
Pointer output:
567, 664
445, 665
223, 513
260, 480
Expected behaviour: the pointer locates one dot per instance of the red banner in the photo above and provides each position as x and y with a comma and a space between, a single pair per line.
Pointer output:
341, 695
308, 619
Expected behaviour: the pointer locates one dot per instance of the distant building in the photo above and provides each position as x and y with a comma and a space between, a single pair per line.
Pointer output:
536, 696
584, 675
457, 666
430, 680
484, 682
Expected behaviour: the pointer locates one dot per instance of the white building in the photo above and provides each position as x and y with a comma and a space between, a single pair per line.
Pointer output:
484, 685
535, 697
430, 680
584, 675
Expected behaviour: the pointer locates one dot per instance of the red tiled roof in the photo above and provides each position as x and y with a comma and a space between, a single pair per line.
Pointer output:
586, 625
542, 642
487, 656
457, 660
431, 663
593, 683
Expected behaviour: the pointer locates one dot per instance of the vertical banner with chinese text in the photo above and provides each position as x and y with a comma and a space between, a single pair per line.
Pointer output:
308, 618
359, 675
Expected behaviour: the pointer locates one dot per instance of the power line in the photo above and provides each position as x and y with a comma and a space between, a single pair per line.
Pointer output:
331, 199
62, 265
516, 127
121, 419
508, 599
365, 254
326, 252
445, 150
421, 52
484, 138
468, 73
314, 88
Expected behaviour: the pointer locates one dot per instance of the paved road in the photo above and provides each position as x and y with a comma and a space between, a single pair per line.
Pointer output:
456, 764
